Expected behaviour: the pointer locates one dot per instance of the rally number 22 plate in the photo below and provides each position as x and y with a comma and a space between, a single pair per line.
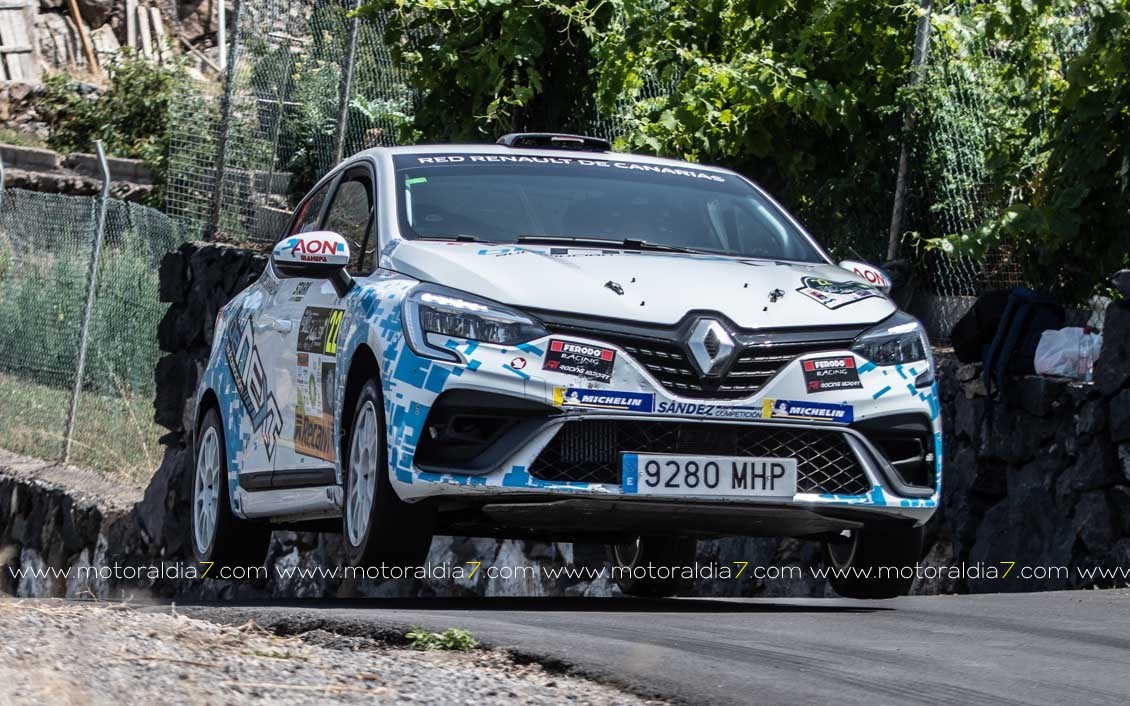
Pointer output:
746, 476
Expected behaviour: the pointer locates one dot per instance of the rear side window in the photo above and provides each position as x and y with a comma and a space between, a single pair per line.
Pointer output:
306, 218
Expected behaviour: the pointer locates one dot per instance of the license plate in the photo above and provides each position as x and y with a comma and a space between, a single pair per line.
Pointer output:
665, 474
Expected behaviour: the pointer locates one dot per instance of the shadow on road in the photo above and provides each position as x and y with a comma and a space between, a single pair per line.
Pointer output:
565, 605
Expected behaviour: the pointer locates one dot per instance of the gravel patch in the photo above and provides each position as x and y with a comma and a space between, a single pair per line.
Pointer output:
64, 653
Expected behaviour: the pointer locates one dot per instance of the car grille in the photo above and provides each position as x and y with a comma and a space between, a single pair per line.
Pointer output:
667, 361
589, 450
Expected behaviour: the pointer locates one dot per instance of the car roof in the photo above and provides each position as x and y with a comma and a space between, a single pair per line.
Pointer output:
532, 152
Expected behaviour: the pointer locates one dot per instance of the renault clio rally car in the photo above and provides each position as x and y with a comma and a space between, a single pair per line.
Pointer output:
545, 339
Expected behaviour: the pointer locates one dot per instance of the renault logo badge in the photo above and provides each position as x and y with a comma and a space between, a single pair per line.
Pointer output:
711, 346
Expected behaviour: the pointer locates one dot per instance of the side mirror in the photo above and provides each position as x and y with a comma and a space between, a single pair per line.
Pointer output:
875, 276
319, 254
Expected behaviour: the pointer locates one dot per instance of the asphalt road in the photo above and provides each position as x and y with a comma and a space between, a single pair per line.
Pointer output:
1000, 650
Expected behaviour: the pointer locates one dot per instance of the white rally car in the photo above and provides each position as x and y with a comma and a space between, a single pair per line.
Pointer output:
545, 339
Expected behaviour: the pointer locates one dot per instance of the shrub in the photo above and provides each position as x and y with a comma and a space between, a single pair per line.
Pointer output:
450, 640
130, 114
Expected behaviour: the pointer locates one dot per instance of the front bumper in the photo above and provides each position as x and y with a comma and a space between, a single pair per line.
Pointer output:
849, 473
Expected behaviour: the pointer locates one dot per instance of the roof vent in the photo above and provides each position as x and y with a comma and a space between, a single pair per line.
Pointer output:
555, 141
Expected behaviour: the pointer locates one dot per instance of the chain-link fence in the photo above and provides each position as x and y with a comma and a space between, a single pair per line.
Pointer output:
970, 101
47, 243
308, 85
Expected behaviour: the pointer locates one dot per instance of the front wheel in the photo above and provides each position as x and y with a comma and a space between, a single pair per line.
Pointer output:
653, 567
874, 563
218, 536
379, 527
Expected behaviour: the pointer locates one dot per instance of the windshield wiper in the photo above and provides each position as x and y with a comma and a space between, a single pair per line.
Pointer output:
456, 237
626, 243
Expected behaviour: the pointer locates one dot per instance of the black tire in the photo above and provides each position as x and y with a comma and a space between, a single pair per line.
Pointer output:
869, 550
234, 542
630, 561
394, 532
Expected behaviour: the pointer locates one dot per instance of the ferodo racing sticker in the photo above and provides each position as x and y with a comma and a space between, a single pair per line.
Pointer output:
834, 294
581, 359
836, 373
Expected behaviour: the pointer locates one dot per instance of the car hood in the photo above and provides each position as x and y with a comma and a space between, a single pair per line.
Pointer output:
656, 287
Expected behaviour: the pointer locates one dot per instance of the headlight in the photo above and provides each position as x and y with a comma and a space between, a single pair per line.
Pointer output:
897, 340
449, 312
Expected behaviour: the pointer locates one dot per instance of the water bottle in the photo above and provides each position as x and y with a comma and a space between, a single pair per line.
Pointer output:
1087, 354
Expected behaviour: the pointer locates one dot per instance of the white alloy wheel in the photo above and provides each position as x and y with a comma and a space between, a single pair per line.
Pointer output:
363, 458
206, 490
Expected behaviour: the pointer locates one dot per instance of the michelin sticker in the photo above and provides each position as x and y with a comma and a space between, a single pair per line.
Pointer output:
604, 399
834, 294
809, 411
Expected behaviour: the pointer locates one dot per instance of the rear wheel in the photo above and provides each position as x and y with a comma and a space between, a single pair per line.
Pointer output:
653, 567
874, 563
218, 536
379, 527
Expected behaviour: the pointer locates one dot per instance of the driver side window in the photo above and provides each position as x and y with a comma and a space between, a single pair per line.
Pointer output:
306, 219
351, 216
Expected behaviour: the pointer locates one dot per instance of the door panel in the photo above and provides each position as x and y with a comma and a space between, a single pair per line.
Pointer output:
248, 345
307, 361
306, 364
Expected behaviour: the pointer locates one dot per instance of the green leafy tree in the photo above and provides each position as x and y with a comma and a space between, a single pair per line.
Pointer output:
485, 67
1060, 172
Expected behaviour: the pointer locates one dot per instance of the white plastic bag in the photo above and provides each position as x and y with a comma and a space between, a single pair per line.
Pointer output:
1068, 352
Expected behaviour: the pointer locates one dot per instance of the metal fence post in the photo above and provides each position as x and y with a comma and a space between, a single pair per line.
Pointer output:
346, 87
225, 125
918, 64
88, 309
222, 32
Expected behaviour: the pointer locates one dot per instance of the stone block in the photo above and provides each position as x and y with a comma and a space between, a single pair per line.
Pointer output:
1112, 369
1120, 416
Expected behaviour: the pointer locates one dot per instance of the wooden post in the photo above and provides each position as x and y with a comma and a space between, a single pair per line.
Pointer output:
197, 53
87, 50
143, 32
131, 23
159, 37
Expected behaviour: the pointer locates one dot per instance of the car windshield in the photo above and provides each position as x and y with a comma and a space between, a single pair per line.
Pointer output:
591, 201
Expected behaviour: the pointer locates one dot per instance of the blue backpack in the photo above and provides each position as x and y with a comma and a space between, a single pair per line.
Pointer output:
1013, 348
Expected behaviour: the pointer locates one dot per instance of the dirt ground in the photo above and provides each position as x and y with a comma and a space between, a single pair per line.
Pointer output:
57, 652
